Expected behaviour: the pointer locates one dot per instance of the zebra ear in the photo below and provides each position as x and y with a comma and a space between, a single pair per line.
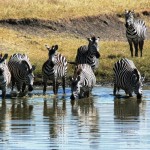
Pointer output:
47, 47
126, 11
5, 56
56, 47
33, 68
89, 39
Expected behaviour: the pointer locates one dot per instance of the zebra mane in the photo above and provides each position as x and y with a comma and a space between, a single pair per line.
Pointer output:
128, 62
135, 71
17, 57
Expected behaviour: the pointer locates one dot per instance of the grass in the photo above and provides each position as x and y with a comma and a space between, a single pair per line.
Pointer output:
58, 9
12, 41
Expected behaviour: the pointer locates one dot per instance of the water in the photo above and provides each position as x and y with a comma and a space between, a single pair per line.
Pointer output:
100, 122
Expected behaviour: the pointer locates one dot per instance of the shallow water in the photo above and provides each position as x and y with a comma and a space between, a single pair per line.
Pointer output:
99, 122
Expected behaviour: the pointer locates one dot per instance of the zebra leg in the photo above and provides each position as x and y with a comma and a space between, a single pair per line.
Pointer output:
54, 86
131, 48
141, 43
44, 87
19, 85
136, 48
3, 94
23, 87
12, 82
63, 84
57, 85
114, 92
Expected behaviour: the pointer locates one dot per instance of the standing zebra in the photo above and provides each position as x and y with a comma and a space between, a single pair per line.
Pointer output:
5, 76
54, 68
127, 77
82, 81
21, 72
135, 32
89, 54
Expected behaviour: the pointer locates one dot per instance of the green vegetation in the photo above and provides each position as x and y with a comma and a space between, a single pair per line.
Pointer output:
12, 41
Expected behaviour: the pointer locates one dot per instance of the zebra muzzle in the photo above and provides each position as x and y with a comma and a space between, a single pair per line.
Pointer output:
72, 97
97, 55
30, 88
1, 71
139, 96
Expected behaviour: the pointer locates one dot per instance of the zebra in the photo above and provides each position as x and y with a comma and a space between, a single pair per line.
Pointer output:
89, 54
135, 32
5, 76
21, 72
54, 68
82, 81
127, 77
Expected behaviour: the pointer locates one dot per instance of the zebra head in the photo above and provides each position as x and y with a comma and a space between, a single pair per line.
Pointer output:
138, 83
29, 76
75, 83
129, 18
75, 87
93, 47
2, 63
51, 51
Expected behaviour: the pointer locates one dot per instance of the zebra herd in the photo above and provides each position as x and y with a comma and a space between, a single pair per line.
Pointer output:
19, 70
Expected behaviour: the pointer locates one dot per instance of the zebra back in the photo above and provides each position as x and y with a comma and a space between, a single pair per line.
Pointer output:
21, 69
89, 54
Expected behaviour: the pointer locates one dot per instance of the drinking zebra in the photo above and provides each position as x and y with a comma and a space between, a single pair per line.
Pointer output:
135, 32
21, 72
54, 68
127, 77
82, 81
5, 76
89, 54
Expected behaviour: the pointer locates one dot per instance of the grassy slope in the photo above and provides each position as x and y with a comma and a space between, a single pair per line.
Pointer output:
16, 41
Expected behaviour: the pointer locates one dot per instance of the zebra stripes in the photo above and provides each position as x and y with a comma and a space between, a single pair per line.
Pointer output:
21, 71
54, 69
89, 54
82, 81
127, 77
135, 32
5, 76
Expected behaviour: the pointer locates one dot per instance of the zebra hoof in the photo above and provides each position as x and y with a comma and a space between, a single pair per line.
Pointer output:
13, 94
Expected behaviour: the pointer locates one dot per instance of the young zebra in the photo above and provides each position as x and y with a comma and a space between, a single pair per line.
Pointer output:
5, 76
127, 77
21, 72
89, 54
135, 32
54, 68
82, 81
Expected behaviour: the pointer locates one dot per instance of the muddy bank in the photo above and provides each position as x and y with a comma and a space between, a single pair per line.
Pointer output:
108, 27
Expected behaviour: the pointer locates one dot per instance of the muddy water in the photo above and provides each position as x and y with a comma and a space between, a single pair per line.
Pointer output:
100, 122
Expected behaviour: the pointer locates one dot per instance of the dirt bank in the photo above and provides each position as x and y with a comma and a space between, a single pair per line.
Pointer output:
108, 27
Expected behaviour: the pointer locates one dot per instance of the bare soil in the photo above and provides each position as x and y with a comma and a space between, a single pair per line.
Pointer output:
107, 27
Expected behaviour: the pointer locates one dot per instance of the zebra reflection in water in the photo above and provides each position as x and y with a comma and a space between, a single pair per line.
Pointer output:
55, 113
87, 117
